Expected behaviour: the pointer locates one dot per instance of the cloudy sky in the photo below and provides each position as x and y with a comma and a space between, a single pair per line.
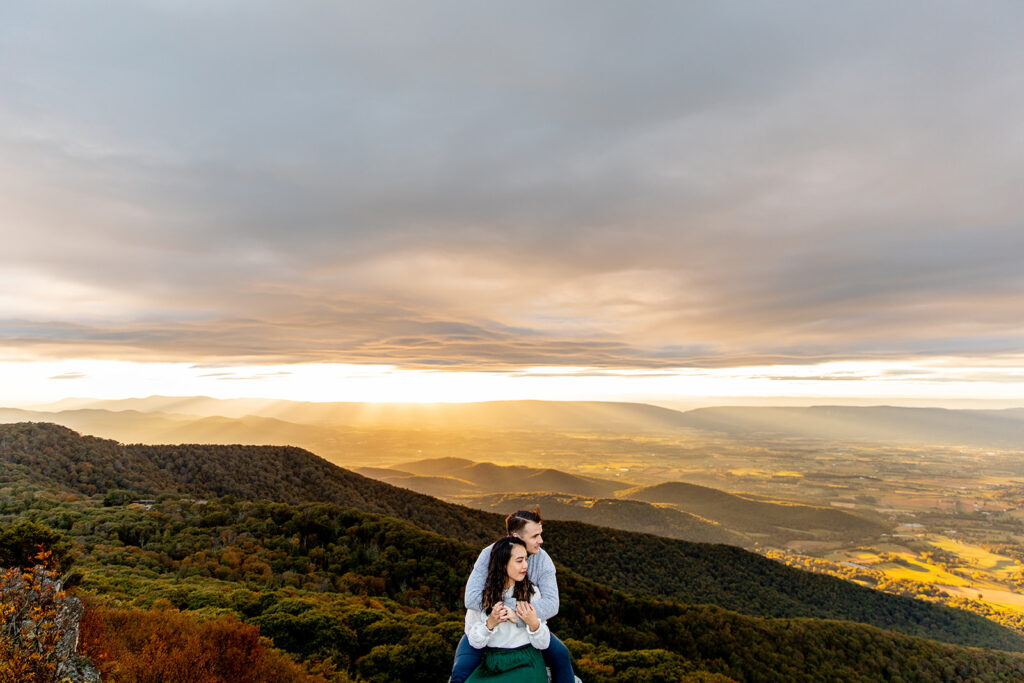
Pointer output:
778, 191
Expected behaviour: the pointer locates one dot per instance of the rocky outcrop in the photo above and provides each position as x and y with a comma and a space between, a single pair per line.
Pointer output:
72, 667
39, 628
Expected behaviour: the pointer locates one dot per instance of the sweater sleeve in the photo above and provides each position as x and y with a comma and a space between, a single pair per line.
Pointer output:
542, 575
475, 584
477, 632
540, 638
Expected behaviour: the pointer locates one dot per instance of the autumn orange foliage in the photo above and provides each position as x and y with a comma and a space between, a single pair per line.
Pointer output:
30, 604
140, 646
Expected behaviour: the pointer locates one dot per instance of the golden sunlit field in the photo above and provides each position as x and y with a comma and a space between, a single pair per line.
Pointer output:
956, 532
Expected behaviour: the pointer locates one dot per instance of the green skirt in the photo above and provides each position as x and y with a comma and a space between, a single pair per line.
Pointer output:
523, 664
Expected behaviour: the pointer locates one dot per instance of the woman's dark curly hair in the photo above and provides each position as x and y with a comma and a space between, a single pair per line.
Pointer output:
501, 554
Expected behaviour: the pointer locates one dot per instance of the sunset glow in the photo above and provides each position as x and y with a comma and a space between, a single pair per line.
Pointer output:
931, 383
436, 212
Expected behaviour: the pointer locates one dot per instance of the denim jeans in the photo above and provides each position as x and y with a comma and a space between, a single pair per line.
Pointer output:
467, 658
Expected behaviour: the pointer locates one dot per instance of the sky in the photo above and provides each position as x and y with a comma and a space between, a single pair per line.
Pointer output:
466, 200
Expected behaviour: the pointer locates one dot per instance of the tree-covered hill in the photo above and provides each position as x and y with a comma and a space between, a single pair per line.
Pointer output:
439, 487
738, 580
490, 477
755, 516
52, 456
380, 599
57, 456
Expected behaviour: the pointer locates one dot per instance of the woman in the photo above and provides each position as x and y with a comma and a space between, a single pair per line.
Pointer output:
511, 652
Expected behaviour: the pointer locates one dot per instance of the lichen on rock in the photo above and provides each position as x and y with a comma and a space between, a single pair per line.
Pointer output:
39, 629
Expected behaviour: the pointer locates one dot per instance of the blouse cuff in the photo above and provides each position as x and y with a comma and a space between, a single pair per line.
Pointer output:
541, 638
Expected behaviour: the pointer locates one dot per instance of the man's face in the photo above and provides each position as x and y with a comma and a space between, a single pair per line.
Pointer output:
531, 534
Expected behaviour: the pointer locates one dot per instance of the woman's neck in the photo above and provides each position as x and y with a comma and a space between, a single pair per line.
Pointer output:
509, 583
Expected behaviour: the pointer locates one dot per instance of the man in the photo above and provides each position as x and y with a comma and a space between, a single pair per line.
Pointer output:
525, 524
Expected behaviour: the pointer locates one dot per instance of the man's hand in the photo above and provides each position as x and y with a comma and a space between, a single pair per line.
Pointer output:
528, 614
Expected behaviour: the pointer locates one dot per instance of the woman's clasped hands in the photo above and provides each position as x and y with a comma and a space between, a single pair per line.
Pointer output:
501, 612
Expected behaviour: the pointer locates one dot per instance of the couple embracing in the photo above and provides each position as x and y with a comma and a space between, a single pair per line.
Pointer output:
510, 595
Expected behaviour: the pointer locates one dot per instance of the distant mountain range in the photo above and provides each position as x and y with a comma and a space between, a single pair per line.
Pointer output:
882, 424
446, 477
696, 513
134, 426
343, 432
182, 415
572, 416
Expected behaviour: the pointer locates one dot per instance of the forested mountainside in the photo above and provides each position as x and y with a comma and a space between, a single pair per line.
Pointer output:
657, 566
356, 596
256, 541
57, 456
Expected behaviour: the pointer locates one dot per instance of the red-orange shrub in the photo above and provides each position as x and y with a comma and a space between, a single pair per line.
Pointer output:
139, 646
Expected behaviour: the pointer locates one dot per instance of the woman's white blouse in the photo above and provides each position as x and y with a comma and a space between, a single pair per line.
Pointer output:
505, 634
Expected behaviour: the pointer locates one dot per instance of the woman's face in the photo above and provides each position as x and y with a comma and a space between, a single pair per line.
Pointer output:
516, 566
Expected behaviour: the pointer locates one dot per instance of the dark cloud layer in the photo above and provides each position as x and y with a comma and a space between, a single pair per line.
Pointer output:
480, 186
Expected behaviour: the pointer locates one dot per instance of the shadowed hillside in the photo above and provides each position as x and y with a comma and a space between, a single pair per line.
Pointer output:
439, 487
701, 514
753, 516
490, 477
656, 566
60, 457
628, 515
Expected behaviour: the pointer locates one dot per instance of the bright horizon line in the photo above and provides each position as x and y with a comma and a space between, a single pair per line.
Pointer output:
681, 405
938, 383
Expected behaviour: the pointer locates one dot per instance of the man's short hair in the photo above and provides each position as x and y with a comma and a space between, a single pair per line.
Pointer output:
515, 522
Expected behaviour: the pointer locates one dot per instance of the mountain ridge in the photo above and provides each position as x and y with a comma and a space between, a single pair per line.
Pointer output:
753, 516
695, 511
686, 572
1000, 428
492, 477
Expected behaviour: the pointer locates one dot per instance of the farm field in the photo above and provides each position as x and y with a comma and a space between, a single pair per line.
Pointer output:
955, 515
